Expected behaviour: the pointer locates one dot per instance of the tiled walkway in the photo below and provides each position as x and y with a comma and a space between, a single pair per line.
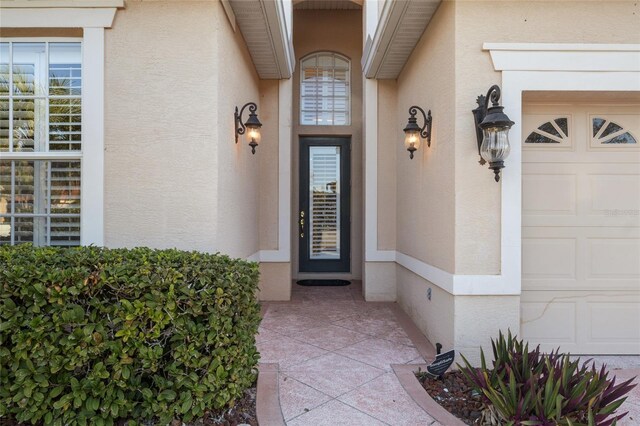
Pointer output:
335, 353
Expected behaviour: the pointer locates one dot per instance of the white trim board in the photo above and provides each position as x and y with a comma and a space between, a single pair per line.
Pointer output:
57, 17
92, 194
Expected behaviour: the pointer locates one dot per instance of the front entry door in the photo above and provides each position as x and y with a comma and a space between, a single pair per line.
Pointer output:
324, 218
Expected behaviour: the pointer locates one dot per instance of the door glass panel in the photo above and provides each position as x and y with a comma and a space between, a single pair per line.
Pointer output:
324, 206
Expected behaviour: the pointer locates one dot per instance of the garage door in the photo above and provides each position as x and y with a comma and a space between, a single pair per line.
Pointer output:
581, 227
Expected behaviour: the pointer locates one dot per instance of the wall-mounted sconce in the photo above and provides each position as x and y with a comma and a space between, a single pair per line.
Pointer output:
492, 131
414, 133
251, 127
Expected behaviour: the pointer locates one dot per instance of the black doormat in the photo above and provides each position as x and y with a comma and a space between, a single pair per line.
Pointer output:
335, 283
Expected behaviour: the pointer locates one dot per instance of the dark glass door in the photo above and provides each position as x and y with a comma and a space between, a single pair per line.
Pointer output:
324, 217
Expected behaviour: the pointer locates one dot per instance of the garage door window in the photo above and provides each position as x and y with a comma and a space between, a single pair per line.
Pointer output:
607, 132
554, 131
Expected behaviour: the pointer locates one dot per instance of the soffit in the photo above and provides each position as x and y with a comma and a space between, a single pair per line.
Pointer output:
264, 28
399, 30
327, 4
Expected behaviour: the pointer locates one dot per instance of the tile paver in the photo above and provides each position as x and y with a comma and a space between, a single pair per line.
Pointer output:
297, 398
335, 353
385, 399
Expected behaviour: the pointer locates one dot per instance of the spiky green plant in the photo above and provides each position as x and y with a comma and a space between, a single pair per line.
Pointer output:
526, 387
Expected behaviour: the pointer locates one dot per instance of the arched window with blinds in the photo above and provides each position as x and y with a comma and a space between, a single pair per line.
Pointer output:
325, 90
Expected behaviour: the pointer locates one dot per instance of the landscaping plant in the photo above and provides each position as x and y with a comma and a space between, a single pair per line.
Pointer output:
93, 335
526, 387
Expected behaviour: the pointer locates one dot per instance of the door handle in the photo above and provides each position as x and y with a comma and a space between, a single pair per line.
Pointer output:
301, 223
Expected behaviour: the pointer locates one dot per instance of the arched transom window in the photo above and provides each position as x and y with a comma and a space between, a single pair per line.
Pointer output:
325, 93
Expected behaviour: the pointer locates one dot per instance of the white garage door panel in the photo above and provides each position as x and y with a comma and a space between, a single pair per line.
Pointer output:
615, 322
582, 322
544, 258
578, 194
614, 258
552, 323
581, 228
549, 194
580, 258
615, 192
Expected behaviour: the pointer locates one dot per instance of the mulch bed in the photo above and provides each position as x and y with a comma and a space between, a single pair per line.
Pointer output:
453, 393
243, 413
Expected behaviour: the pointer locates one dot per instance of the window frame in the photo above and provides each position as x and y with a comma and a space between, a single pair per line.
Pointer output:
91, 154
318, 111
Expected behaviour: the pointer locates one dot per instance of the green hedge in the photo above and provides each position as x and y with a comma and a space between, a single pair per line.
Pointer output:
92, 335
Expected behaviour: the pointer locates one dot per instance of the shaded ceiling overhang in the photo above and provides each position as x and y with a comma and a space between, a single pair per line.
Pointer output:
401, 25
267, 32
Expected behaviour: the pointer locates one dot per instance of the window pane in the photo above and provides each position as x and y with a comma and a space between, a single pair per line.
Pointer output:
341, 63
308, 118
29, 60
28, 119
325, 118
4, 69
5, 187
325, 60
340, 119
4, 124
65, 71
309, 62
65, 129
23, 230
341, 75
45, 196
324, 208
24, 175
324, 89
65, 187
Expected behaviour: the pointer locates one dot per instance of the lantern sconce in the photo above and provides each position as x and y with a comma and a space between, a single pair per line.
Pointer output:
414, 133
492, 131
251, 127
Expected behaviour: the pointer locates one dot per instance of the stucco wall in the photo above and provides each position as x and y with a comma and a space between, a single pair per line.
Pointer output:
238, 170
173, 176
425, 185
337, 31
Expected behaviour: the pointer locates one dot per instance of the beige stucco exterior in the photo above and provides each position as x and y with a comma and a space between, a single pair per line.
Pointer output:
172, 170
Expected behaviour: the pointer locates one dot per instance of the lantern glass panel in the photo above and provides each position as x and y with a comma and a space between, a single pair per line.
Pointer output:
412, 140
495, 144
253, 134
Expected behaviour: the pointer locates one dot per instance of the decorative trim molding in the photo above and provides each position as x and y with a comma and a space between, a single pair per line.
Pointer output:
564, 57
57, 17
